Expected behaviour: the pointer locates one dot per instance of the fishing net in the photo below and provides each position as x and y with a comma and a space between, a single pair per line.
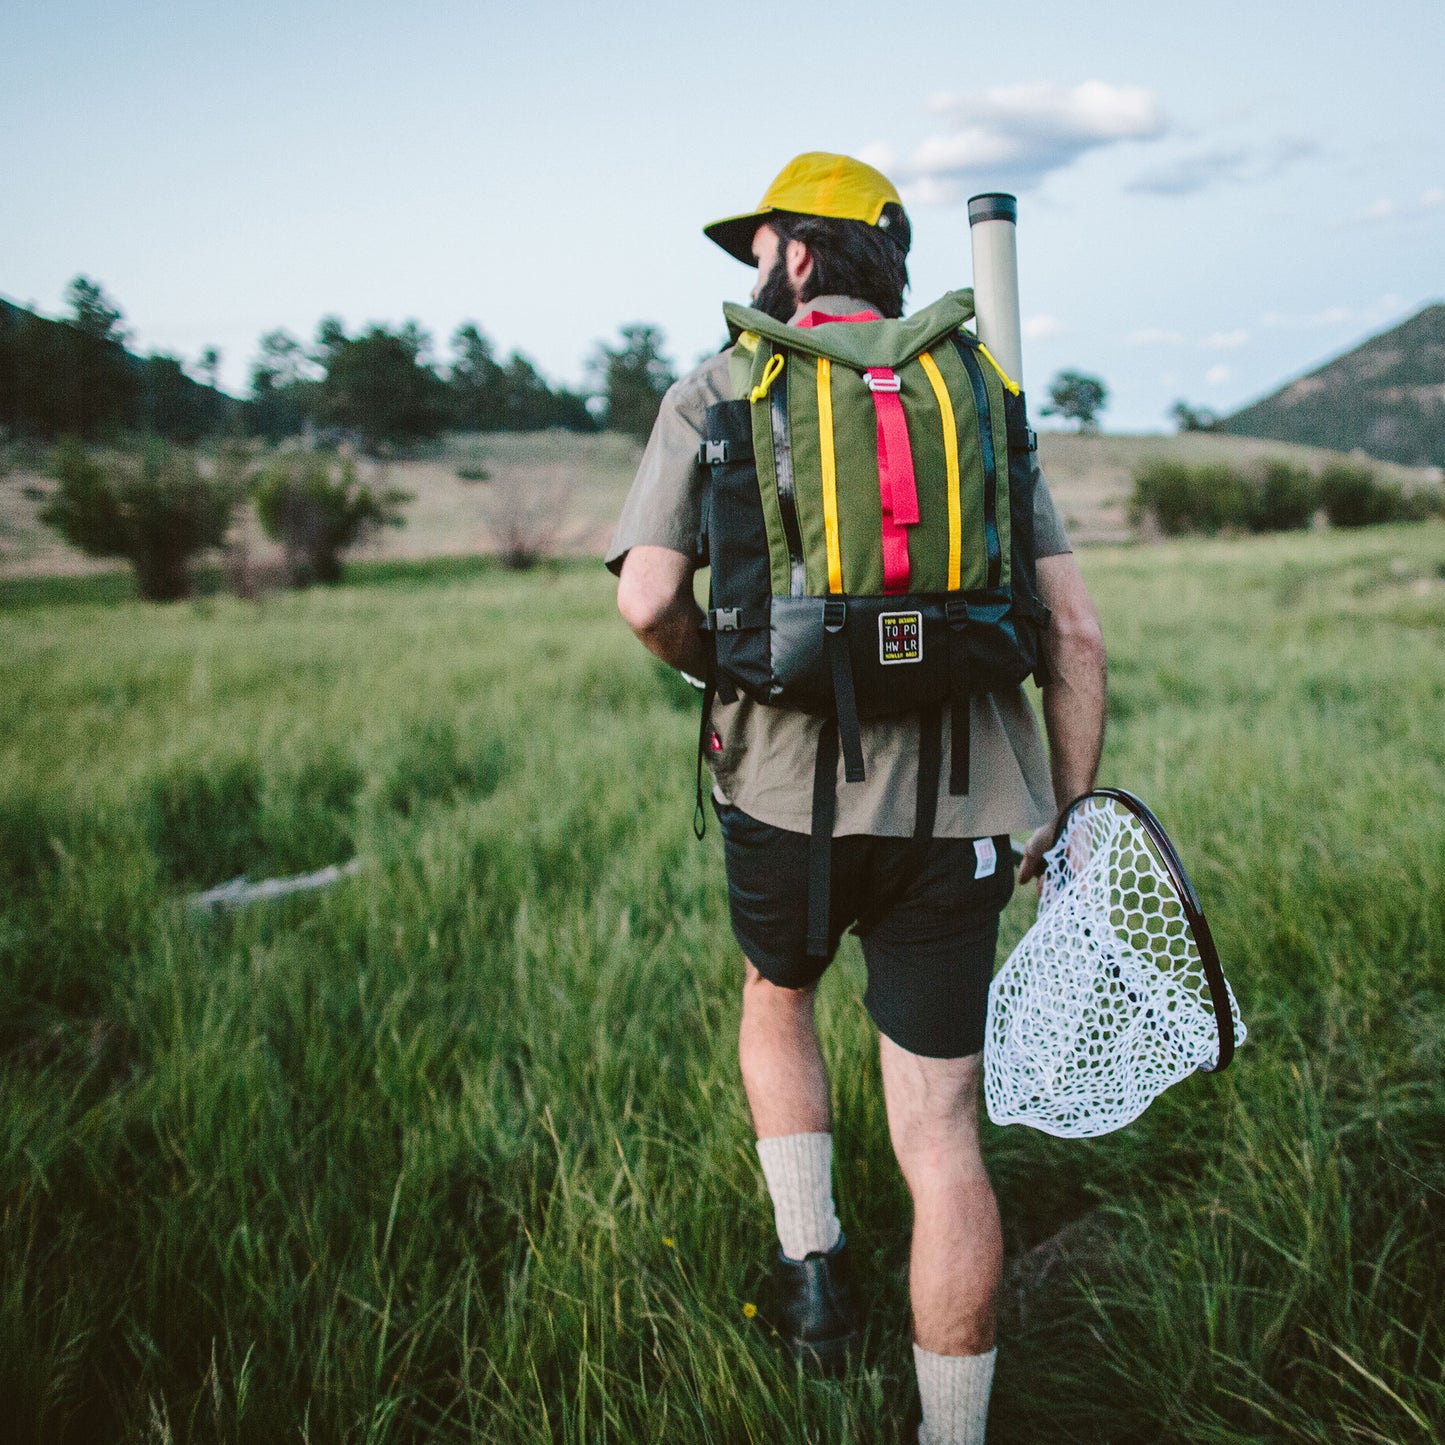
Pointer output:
1116, 992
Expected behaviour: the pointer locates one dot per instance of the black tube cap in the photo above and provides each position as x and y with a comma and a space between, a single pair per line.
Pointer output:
993, 206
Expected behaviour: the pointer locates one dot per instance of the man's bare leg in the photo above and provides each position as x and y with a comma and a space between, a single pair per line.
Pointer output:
956, 1259
783, 1070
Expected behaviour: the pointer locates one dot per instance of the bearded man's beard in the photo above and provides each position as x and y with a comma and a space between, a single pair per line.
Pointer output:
776, 297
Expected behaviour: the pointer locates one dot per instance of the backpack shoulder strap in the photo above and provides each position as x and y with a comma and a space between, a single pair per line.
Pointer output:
740, 362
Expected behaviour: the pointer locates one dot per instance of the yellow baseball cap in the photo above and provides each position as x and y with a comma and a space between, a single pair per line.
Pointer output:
818, 184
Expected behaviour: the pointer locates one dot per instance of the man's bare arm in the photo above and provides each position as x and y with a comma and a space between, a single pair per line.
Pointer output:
655, 599
1074, 698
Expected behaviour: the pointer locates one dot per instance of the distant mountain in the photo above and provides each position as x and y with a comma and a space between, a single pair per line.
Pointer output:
1385, 398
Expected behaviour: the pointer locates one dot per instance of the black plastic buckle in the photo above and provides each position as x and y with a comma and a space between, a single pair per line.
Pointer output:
955, 610
710, 453
835, 614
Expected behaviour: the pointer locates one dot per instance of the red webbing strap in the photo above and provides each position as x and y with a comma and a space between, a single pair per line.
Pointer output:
897, 485
821, 318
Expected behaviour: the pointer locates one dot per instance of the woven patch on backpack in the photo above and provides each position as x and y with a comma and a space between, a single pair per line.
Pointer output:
900, 637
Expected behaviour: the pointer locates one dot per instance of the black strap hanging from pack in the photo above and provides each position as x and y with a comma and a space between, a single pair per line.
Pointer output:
845, 700
699, 812
842, 728
820, 841
960, 699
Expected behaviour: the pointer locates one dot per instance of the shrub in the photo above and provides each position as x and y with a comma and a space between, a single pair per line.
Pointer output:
1282, 498
1183, 499
529, 514
1192, 418
1287, 499
152, 507
316, 516
1354, 497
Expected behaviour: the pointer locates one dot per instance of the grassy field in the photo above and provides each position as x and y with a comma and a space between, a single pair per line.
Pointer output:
456, 1149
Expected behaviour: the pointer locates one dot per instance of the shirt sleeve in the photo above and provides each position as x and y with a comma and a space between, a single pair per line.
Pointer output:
1050, 539
664, 505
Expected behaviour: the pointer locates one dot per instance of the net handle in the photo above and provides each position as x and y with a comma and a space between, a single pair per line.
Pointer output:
1193, 912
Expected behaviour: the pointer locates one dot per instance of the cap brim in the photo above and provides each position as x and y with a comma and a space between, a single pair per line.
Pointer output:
735, 234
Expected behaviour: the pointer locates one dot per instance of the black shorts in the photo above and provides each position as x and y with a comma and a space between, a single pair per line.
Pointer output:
928, 933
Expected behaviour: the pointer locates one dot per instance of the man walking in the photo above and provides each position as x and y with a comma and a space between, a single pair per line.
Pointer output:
831, 237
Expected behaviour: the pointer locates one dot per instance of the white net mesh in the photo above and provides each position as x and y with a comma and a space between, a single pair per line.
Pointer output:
1104, 1003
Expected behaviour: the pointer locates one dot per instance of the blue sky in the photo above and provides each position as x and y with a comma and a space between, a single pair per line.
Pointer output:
1212, 199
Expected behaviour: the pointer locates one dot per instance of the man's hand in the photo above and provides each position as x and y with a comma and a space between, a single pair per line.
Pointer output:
655, 598
1032, 865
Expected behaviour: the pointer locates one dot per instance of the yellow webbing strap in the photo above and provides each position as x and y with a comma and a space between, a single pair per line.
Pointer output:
950, 456
1010, 386
771, 372
830, 473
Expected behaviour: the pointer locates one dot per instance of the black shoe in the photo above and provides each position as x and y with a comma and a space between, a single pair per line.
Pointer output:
813, 1307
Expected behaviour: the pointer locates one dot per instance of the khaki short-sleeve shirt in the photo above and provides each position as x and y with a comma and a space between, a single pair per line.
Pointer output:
764, 764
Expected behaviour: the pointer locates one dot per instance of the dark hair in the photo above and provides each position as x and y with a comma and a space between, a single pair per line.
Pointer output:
852, 258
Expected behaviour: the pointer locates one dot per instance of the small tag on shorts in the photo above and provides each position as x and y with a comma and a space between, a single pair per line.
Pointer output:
987, 858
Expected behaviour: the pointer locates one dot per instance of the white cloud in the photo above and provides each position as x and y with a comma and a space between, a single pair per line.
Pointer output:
1154, 336
1435, 196
1036, 328
880, 155
1217, 375
1224, 340
1015, 135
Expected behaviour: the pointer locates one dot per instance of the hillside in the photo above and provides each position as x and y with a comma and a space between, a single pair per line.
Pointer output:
57, 379
1385, 398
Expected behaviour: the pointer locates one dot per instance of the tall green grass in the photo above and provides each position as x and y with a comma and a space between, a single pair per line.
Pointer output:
456, 1150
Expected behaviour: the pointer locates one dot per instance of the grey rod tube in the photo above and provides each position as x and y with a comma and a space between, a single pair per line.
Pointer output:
993, 228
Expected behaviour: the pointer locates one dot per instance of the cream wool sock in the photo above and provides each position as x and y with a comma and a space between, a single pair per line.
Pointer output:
954, 1390
799, 1173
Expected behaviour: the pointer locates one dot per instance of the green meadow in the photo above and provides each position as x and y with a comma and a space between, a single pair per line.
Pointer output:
455, 1150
